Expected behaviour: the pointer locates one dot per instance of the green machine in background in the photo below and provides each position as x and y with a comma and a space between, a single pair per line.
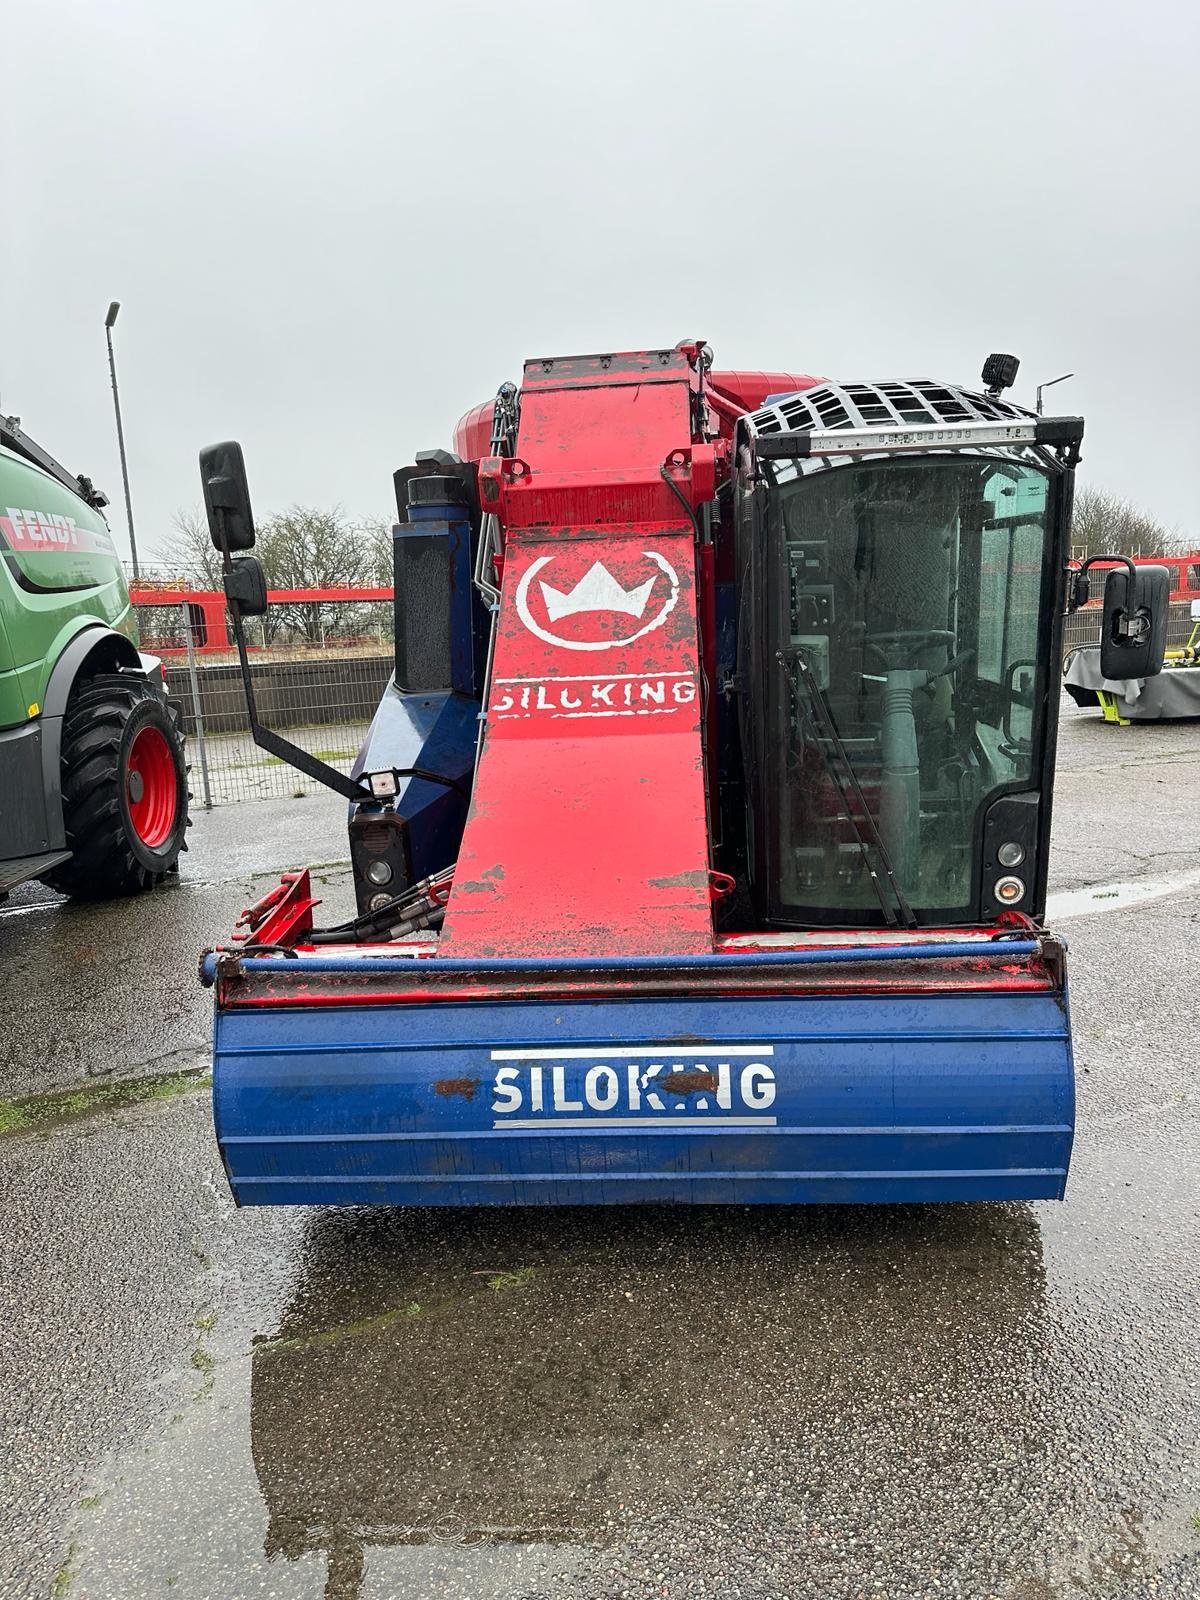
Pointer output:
93, 788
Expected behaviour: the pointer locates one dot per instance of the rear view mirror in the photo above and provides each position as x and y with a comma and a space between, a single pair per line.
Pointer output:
1137, 600
246, 586
227, 496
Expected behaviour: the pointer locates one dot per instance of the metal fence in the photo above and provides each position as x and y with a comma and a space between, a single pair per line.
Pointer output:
321, 696
323, 705
324, 699
1084, 627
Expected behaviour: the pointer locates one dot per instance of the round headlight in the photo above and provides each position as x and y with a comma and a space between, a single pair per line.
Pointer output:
1009, 890
379, 872
1011, 854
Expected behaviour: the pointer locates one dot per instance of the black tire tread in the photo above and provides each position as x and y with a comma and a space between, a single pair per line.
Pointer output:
102, 863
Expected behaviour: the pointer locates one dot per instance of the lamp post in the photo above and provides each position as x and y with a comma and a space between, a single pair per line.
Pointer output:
112, 367
1050, 385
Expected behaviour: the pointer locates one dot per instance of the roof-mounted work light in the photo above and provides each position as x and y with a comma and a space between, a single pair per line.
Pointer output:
1000, 373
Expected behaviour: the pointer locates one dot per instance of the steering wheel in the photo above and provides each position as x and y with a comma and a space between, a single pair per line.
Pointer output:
916, 639
907, 641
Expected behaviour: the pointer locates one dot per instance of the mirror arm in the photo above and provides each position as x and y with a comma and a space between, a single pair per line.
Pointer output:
1126, 629
266, 739
1129, 566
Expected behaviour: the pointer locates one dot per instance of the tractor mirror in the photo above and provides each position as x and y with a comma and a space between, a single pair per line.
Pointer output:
227, 496
246, 586
1137, 604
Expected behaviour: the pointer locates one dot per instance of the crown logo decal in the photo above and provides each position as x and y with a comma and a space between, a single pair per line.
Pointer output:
597, 590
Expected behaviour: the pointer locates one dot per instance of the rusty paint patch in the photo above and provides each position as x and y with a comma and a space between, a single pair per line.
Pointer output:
450, 1086
494, 872
695, 878
696, 1082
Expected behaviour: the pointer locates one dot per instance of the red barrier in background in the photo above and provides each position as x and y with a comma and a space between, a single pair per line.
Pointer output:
208, 617
211, 636
1184, 570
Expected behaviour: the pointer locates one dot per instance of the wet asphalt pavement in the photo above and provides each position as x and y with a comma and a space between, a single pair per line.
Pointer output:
999, 1400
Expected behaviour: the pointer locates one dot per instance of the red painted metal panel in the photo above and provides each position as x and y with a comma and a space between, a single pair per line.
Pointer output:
750, 389
588, 832
473, 432
286, 989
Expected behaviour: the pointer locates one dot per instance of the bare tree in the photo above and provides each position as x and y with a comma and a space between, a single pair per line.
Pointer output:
188, 551
304, 547
1103, 522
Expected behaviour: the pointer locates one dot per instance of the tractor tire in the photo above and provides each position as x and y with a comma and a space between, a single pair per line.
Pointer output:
124, 789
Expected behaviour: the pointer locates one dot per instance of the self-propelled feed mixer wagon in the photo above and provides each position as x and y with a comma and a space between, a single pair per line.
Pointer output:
700, 839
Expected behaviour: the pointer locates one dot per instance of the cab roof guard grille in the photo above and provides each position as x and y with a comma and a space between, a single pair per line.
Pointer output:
881, 405
835, 421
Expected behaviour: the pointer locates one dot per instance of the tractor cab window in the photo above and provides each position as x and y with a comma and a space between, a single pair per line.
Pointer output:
908, 601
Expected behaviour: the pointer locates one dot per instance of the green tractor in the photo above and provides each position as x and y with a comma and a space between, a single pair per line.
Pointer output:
93, 787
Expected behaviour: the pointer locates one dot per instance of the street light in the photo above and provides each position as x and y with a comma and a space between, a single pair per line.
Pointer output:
1050, 385
112, 367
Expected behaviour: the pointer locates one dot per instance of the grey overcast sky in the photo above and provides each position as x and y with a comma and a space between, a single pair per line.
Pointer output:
333, 228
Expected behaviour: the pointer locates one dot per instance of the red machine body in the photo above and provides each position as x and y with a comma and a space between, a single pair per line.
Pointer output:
589, 831
546, 995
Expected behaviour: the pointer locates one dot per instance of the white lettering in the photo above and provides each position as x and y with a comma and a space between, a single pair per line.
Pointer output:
758, 1086
724, 1086
503, 702
569, 701
652, 1071
593, 1084
654, 691
602, 693
507, 1085
561, 1103
683, 693
591, 1088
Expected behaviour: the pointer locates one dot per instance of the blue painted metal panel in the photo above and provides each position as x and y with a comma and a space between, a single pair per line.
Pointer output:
781, 1099
435, 731
711, 962
450, 523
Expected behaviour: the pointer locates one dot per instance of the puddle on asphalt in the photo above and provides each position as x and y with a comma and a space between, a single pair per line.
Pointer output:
473, 1403
1115, 896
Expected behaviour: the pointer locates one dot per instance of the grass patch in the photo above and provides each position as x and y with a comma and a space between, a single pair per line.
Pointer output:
348, 1330
278, 761
65, 1576
36, 1112
504, 1281
1196, 1521
201, 1359
204, 1321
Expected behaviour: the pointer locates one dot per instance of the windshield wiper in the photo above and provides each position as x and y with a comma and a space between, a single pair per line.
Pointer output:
866, 834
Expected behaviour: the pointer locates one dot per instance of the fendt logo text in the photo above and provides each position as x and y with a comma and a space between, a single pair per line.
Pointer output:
48, 530
723, 1085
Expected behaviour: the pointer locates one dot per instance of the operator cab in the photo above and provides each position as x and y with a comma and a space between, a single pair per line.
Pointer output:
899, 553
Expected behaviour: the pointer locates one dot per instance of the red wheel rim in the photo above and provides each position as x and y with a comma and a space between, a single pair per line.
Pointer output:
152, 786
